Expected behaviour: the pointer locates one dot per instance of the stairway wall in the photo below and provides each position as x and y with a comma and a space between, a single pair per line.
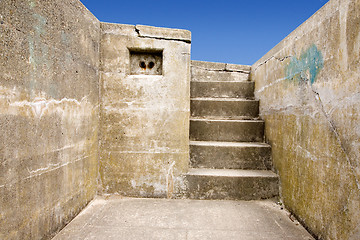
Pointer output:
49, 57
145, 108
309, 92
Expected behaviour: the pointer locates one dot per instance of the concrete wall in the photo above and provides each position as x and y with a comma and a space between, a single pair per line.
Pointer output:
309, 92
49, 55
144, 118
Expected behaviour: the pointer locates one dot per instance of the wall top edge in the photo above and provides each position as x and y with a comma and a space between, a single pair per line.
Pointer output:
217, 66
147, 31
87, 10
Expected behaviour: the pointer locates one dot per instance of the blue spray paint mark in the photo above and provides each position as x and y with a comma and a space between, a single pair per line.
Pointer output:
307, 66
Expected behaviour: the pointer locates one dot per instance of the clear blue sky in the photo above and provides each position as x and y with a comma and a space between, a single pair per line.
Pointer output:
229, 31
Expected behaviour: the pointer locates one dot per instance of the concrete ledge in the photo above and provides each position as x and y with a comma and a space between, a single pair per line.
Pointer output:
118, 29
146, 31
209, 65
237, 68
216, 66
163, 33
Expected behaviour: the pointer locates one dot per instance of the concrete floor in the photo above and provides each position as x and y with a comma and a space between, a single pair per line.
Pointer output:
131, 218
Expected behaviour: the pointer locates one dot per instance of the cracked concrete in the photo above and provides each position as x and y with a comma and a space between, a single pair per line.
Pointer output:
334, 130
281, 59
222, 70
50, 81
309, 102
163, 33
214, 71
221, 67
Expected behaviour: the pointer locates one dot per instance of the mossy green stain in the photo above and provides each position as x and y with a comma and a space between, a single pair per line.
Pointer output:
307, 66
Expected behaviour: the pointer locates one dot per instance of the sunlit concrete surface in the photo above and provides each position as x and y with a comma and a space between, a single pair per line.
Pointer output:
132, 218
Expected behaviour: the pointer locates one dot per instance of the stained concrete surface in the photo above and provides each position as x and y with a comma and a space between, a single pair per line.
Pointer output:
116, 217
49, 117
144, 114
309, 92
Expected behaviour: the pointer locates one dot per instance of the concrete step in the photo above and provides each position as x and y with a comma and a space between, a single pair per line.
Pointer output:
230, 155
224, 107
231, 184
222, 89
226, 130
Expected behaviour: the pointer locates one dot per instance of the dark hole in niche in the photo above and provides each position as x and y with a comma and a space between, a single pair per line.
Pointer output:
146, 61
151, 65
142, 64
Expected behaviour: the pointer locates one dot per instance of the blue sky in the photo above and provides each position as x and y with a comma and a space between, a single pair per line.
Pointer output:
228, 31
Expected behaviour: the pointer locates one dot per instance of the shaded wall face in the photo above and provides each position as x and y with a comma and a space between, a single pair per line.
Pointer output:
48, 115
309, 90
145, 107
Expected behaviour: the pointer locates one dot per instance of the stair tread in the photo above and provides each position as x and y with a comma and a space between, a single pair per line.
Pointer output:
229, 144
224, 99
219, 119
231, 172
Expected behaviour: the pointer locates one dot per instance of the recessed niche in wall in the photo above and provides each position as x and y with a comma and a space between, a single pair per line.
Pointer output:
146, 62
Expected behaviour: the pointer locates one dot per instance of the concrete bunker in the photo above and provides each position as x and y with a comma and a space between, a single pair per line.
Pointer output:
60, 146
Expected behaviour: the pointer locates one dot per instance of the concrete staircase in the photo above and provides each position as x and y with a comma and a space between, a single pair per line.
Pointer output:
228, 157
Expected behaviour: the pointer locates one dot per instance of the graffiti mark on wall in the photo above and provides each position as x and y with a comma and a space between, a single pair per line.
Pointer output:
307, 67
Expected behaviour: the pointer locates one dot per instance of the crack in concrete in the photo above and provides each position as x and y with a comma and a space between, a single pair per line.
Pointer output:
137, 31
334, 130
238, 71
160, 38
337, 135
272, 57
222, 70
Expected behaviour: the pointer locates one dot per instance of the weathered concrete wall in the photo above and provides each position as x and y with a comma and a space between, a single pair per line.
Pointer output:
49, 55
145, 108
309, 92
